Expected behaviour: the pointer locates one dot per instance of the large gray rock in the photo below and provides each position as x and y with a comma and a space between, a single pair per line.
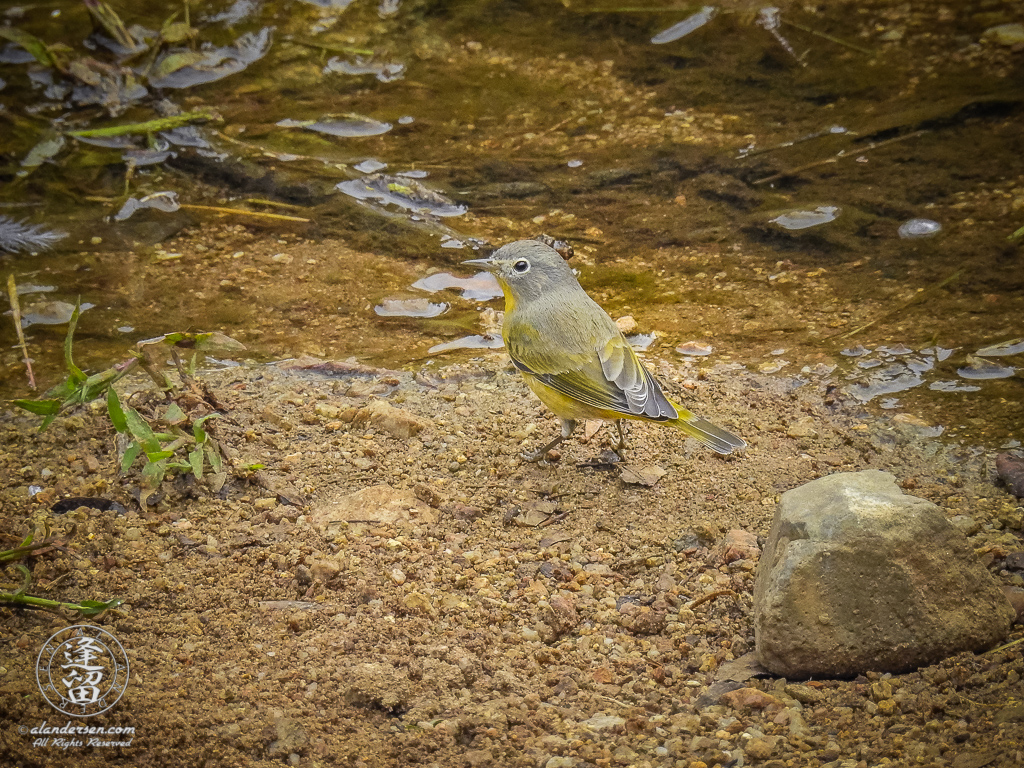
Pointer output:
858, 576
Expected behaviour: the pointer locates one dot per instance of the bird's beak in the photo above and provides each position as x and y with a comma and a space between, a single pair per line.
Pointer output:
487, 264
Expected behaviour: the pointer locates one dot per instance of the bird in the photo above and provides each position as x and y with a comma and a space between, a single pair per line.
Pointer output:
573, 356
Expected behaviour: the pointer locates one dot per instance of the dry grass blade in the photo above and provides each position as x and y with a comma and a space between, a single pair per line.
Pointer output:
12, 294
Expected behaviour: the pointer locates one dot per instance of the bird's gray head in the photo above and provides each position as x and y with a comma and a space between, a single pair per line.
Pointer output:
529, 269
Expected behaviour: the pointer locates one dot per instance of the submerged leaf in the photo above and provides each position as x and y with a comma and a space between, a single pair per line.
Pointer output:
47, 147
39, 50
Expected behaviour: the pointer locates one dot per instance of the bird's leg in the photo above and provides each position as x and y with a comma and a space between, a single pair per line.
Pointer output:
568, 425
620, 446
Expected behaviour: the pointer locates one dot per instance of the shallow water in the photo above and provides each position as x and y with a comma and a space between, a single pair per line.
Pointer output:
666, 165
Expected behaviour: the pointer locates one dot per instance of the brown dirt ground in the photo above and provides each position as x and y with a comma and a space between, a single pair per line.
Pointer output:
259, 634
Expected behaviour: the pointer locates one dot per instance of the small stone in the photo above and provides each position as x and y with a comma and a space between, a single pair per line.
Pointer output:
805, 427
759, 748
626, 324
1004, 34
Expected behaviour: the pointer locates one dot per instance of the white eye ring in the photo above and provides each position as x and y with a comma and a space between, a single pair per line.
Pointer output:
521, 267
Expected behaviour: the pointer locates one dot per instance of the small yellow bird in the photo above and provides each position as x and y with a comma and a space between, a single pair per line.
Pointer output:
574, 357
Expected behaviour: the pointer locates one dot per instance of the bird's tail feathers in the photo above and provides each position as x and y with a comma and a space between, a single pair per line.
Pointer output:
706, 433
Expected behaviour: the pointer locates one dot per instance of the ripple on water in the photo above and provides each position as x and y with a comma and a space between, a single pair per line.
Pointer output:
918, 228
370, 165
410, 308
980, 368
804, 219
686, 26
403, 192
1002, 349
352, 126
485, 341
695, 348
480, 287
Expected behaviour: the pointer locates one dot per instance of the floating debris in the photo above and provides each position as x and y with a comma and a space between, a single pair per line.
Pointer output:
141, 157
352, 126
899, 349
869, 363
770, 19
940, 353
406, 119
451, 242
161, 201
686, 26
410, 308
895, 377
953, 386
186, 136
804, 219
574, 163
695, 348
486, 341
405, 193
49, 313
26, 288
1011, 347
18, 236
413, 174
857, 351
481, 287
183, 67
916, 228
370, 166
238, 11
772, 366
979, 368
386, 72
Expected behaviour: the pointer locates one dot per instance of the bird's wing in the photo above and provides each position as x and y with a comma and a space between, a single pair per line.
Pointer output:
607, 375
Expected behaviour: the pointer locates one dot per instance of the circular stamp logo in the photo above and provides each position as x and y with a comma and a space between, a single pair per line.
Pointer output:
82, 670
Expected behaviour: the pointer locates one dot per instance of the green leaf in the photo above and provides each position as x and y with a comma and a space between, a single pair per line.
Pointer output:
153, 474
130, 455
116, 412
47, 147
197, 427
74, 372
213, 456
147, 127
40, 407
172, 62
39, 50
195, 460
174, 414
95, 607
139, 428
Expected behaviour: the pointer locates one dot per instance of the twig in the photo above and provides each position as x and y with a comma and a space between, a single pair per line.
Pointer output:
12, 294
843, 154
826, 36
712, 596
242, 212
919, 295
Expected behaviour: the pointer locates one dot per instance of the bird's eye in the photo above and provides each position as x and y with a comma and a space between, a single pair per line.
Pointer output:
522, 266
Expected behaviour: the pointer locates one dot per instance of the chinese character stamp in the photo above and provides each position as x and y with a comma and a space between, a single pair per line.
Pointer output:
82, 670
